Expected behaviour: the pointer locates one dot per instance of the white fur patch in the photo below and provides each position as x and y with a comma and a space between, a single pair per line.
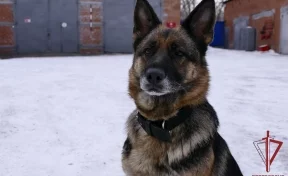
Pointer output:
152, 93
145, 100
167, 88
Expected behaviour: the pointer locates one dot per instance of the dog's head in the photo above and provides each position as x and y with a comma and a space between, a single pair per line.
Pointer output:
170, 61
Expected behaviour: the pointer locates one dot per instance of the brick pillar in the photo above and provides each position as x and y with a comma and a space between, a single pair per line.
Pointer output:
171, 11
7, 40
91, 38
91, 26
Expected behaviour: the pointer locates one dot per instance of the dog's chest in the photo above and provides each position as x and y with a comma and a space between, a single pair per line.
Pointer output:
154, 162
147, 156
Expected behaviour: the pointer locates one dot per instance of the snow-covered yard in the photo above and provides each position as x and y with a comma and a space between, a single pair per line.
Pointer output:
65, 116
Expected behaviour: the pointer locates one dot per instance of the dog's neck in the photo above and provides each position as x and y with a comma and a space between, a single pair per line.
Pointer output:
163, 108
155, 107
161, 129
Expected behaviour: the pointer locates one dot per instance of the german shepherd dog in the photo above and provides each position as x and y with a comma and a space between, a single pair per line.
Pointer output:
173, 131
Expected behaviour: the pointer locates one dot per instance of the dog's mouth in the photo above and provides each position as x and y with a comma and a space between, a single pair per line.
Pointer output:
154, 90
161, 89
155, 93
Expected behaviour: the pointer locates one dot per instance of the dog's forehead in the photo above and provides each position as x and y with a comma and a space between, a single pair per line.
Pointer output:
166, 35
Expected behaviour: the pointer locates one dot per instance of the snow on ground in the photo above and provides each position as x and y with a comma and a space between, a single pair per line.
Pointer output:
65, 116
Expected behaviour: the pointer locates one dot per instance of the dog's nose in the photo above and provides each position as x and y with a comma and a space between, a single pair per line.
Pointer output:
155, 75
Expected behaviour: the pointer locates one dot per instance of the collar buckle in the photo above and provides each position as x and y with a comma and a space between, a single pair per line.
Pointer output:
163, 124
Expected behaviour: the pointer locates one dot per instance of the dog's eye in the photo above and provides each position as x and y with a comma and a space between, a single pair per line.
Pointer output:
147, 51
152, 44
174, 46
179, 53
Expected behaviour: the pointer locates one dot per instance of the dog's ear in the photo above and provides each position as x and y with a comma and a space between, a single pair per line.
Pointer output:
145, 19
200, 22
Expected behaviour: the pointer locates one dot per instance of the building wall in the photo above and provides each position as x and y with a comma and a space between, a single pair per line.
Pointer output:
266, 23
171, 13
91, 38
90, 24
7, 40
171, 10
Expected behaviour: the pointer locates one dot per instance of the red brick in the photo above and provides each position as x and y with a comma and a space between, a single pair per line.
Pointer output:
6, 13
90, 51
6, 32
6, 51
6, 35
96, 13
237, 8
171, 9
90, 36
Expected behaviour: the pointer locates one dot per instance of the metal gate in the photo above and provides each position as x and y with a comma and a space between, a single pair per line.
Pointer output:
63, 26
118, 24
47, 26
284, 29
31, 29
239, 23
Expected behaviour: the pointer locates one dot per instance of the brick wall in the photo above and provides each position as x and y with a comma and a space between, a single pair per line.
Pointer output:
7, 40
237, 8
171, 11
90, 29
91, 39
91, 33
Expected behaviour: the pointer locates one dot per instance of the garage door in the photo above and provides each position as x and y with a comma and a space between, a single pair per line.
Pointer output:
118, 24
32, 19
47, 26
63, 26
284, 29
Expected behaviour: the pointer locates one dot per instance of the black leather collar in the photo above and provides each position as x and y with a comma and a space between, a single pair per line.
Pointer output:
161, 129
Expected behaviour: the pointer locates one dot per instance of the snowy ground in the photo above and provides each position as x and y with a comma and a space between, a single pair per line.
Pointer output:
65, 116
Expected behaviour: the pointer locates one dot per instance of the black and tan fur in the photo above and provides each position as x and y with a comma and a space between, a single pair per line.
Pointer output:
196, 149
